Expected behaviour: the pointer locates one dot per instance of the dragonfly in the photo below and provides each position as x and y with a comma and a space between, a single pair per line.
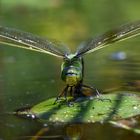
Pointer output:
72, 68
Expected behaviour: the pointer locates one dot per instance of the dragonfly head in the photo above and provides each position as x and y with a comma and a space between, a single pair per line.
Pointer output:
71, 70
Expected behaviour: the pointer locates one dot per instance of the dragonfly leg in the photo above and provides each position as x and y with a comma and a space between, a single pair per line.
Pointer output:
63, 93
98, 94
71, 90
77, 92
66, 90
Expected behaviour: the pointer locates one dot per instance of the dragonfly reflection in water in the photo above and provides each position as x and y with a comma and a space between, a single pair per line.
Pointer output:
72, 68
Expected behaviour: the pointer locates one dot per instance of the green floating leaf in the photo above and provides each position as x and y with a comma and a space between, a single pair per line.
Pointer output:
109, 107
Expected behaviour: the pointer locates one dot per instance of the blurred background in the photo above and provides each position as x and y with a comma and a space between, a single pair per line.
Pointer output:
27, 78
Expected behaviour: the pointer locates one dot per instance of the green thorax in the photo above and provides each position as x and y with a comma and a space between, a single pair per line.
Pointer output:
72, 70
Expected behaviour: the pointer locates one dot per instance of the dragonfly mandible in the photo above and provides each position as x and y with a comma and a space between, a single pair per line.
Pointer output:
72, 68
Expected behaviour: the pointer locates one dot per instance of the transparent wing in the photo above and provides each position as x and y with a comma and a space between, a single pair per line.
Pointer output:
119, 34
32, 42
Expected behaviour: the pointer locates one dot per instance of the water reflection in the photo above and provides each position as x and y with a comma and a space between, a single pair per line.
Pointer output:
78, 132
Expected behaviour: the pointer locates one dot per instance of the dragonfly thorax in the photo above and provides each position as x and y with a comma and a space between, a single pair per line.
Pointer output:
72, 71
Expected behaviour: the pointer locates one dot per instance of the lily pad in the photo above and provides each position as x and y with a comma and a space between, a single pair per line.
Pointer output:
109, 107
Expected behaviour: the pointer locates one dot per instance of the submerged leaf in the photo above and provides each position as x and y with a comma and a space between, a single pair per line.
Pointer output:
109, 107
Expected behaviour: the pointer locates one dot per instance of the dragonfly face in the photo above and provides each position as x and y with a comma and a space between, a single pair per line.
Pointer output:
72, 66
72, 70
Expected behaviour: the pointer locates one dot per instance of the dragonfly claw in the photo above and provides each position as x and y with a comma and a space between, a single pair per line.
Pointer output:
103, 99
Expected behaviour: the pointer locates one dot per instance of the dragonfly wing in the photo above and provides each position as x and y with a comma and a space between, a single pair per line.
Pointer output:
119, 34
32, 42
